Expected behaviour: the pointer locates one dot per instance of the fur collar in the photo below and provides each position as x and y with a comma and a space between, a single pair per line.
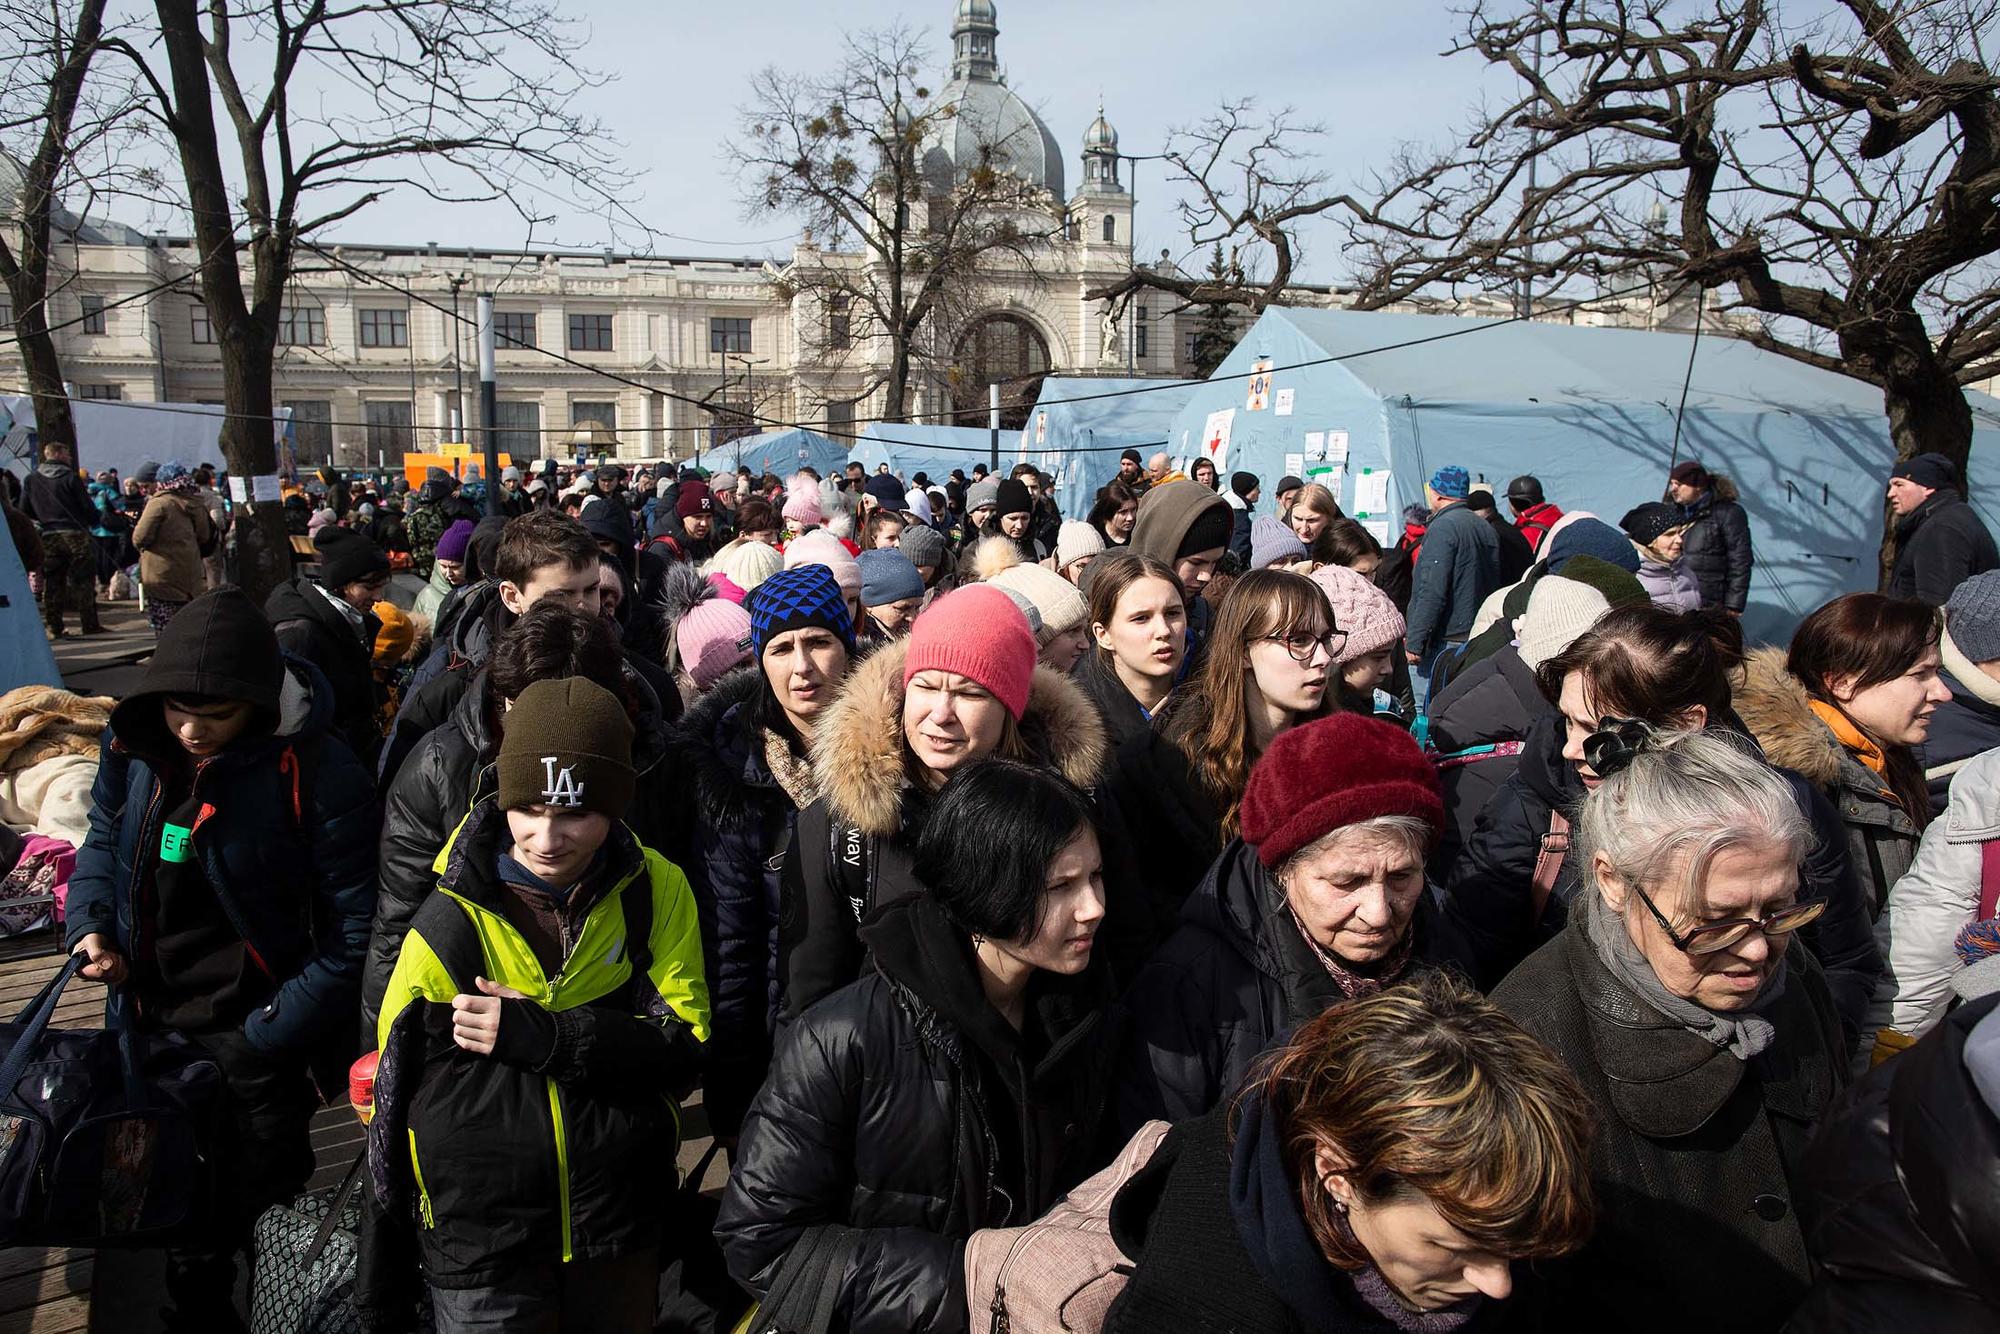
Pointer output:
1775, 707
732, 786
858, 748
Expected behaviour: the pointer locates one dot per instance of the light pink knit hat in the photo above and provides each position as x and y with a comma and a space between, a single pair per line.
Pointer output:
802, 501
1362, 611
823, 548
713, 636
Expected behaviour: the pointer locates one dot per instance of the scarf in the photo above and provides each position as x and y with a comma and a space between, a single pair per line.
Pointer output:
793, 775
1351, 983
513, 873
1851, 738
1742, 1033
1263, 1200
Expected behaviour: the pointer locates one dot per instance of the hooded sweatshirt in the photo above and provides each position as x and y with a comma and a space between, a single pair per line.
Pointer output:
1166, 515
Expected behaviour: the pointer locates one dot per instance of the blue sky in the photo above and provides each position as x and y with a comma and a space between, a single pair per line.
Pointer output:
1369, 71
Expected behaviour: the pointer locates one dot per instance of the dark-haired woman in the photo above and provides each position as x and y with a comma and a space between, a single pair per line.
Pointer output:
451, 770
745, 748
1845, 706
1114, 513
961, 1084
1402, 1157
1171, 799
1513, 886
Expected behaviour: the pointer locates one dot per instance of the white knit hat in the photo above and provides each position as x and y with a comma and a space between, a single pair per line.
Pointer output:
1559, 612
1075, 540
1057, 600
748, 563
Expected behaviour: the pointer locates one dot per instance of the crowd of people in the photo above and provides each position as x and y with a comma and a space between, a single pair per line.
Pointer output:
1468, 933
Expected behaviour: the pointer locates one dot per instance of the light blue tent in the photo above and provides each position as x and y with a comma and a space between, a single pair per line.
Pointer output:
26, 659
1078, 427
909, 448
1589, 411
780, 453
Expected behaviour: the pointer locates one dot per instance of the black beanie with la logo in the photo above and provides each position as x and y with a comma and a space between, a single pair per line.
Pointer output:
568, 746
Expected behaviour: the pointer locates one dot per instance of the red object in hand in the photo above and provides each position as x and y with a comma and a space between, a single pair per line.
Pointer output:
361, 1086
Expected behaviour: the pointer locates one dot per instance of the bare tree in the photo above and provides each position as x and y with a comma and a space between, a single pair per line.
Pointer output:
902, 234
67, 132
325, 109
1836, 179
1246, 182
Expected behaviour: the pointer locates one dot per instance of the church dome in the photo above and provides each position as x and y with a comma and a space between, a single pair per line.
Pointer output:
987, 113
1100, 135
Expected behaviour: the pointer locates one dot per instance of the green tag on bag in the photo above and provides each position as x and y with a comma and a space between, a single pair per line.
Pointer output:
176, 843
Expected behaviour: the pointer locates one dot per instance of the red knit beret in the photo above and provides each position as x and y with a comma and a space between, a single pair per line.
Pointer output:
979, 633
1332, 772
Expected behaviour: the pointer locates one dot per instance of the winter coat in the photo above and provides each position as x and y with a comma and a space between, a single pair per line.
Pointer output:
1489, 891
1488, 706
1535, 522
1965, 725
507, 1164
436, 589
1235, 977
1939, 545
448, 774
1161, 831
311, 627
1516, 554
285, 838
55, 497
173, 535
1124, 717
741, 831
905, 1107
1669, 585
1459, 566
1901, 1198
1716, 547
1192, 1272
1239, 535
1881, 836
851, 849
1697, 1154
1936, 898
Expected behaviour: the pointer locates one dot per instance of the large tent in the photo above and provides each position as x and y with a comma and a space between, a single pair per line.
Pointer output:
910, 448
1078, 428
1373, 403
780, 453
122, 435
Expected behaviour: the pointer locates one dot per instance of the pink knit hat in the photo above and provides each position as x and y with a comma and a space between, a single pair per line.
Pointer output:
1364, 612
726, 588
823, 548
802, 501
977, 632
713, 636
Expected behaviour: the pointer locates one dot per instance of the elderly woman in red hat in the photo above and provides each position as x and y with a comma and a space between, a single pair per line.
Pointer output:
1320, 899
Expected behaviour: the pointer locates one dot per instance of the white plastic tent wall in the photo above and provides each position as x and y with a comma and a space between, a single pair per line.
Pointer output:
1078, 427
123, 435
910, 448
1589, 411
780, 453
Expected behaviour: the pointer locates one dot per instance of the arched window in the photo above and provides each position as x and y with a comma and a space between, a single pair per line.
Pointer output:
1110, 227
1004, 350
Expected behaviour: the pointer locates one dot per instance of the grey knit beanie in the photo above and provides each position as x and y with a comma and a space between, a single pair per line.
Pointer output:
1972, 617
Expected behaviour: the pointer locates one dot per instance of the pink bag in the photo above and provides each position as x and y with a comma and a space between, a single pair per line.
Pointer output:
1061, 1272
36, 887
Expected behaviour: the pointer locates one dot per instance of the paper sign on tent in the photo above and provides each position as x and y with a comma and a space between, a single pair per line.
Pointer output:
1315, 444
239, 490
1371, 492
1041, 428
1379, 530
265, 487
1259, 397
1284, 408
1336, 447
1295, 465
1215, 438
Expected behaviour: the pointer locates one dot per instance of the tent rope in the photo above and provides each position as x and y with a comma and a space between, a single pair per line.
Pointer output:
1700, 301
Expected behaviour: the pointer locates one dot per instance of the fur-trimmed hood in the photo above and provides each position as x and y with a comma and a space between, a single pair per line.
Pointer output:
858, 749
732, 786
1775, 707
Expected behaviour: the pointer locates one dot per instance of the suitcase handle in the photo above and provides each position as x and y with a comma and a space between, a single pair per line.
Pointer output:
34, 1020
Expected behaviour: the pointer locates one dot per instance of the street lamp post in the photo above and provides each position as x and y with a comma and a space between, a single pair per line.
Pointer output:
1132, 247
749, 365
458, 280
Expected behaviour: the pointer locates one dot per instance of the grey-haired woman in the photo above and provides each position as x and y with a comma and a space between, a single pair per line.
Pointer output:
1710, 1047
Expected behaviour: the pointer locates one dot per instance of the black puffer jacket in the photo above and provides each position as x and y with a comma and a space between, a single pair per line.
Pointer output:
1234, 978
1489, 893
1717, 546
449, 773
1698, 1154
851, 848
741, 829
1123, 716
1491, 704
1902, 1201
1939, 545
310, 627
903, 1105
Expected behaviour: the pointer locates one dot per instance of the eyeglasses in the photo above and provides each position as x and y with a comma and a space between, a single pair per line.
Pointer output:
1721, 935
1302, 645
